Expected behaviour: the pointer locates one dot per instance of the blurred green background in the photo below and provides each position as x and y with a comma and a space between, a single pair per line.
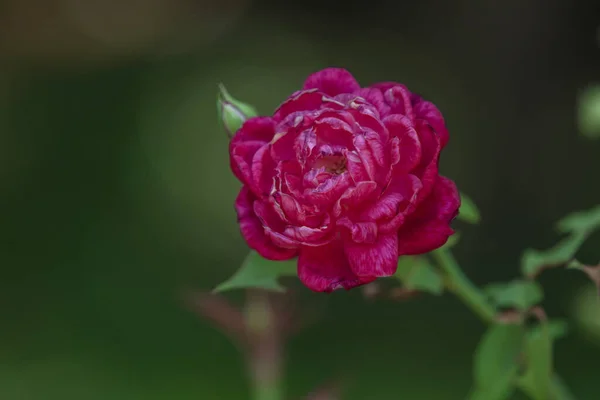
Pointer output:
116, 193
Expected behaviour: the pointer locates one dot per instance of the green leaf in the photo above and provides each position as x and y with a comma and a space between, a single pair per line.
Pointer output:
496, 361
579, 226
581, 221
534, 261
468, 211
592, 271
260, 273
560, 390
537, 379
557, 328
452, 241
519, 294
501, 389
589, 112
416, 273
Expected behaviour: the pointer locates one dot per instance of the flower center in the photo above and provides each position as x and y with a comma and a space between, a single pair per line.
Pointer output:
335, 164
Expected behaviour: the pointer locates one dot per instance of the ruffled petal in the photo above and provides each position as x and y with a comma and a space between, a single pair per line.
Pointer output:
354, 197
383, 86
401, 127
427, 170
249, 139
306, 100
429, 227
359, 232
327, 192
240, 159
334, 130
263, 168
375, 97
398, 98
332, 81
254, 232
255, 128
377, 259
371, 152
405, 208
396, 198
430, 113
326, 268
355, 167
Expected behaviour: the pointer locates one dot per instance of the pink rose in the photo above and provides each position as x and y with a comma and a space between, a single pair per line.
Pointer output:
345, 178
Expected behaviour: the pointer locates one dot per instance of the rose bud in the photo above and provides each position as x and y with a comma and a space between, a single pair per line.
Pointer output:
232, 113
344, 178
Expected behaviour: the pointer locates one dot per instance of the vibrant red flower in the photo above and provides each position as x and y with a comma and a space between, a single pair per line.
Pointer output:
346, 178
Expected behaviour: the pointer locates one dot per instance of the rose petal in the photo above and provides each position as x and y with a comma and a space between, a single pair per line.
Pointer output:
268, 216
254, 133
240, 159
329, 191
263, 168
378, 259
363, 112
304, 144
335, 128
375, 97
352, 198
400, 127
253, 231
360, 232
400, 192
429, 226
427, 170
326, 268
405, 206
306, 100
355, 167
309, 236
332, 81
371, 152
383, 86
255, 128
282, 143
429, 112
281, 240
398, 99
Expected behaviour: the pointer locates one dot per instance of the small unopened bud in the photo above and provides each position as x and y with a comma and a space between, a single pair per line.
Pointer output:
232, 113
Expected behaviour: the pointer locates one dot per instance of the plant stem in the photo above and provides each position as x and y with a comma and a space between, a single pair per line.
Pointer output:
265, 358
458, 283
267, 393
462, 287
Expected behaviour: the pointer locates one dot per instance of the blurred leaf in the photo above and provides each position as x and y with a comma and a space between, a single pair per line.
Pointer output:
589, 112
468, 211
537, 380
593, 272
585, 309
416, 273
496, 361
452, 241
557, 328
579, 225
560, 390
501, 389
534, 261
521, 294
330, 391
260, 273
581, 221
